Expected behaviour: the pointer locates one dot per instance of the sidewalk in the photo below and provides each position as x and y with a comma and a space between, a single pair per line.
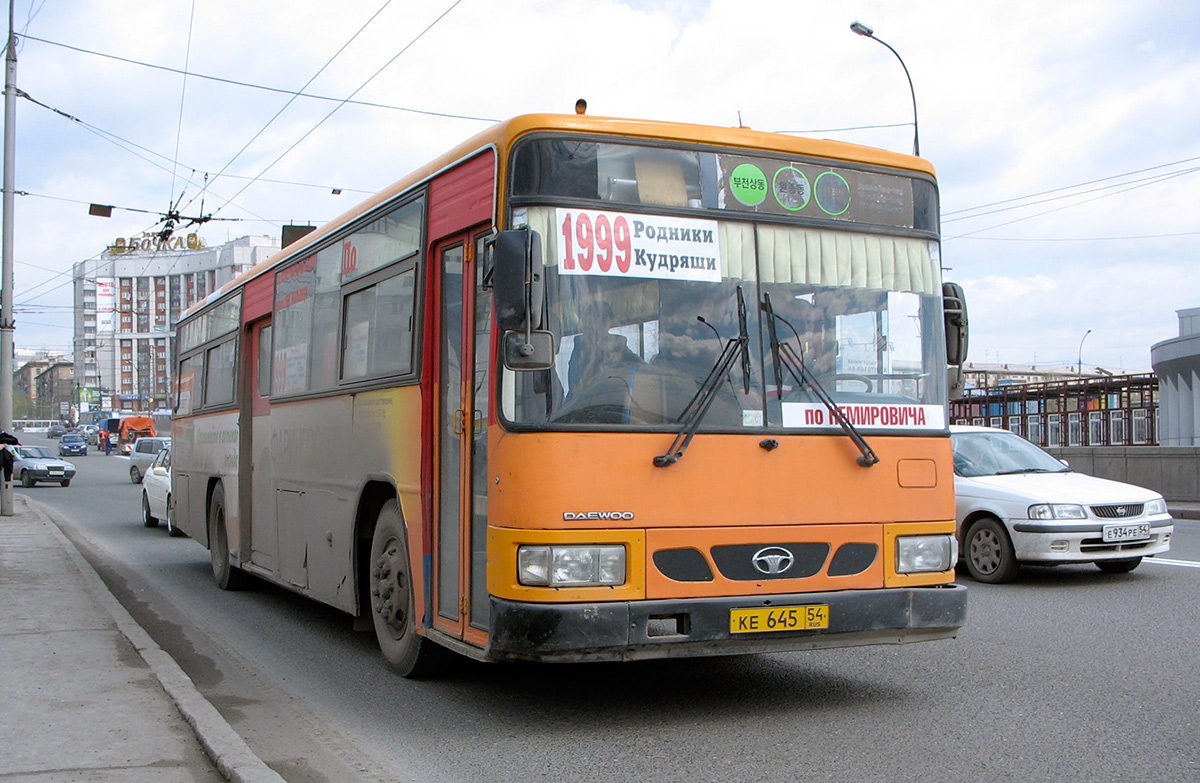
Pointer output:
85, 694
1180, 510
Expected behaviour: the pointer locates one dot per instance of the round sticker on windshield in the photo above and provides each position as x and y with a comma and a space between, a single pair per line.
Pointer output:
791, 188
748, 184
833, 193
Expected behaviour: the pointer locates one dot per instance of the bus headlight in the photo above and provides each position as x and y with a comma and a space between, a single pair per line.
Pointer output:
923, 554
571, 566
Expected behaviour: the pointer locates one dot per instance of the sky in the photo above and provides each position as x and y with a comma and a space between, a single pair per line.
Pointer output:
1066, 135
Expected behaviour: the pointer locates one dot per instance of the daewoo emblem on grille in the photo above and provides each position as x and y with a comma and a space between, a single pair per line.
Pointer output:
1121, 511
772, 560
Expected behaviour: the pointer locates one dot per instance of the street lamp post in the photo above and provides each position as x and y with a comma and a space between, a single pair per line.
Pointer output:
1079, 360
867, 32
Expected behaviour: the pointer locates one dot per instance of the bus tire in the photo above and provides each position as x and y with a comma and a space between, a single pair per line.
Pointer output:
226, 576
391, 601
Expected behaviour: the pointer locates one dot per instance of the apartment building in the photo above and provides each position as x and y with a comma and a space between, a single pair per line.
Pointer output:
127, 301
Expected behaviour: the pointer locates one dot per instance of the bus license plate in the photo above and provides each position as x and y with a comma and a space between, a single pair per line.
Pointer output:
779, 618
1113, 533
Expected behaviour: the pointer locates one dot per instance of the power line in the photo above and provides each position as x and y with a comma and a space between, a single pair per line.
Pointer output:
273, 221
852, 128
1083, 239
187, 58
1155, 181
236, 83
1147, 180
120, 142
1069, 187
335, 109
293, 98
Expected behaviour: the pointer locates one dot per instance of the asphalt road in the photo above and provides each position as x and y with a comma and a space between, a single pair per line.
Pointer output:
1066, 675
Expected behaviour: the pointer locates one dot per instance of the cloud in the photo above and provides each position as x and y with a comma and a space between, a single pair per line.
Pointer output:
1042, 318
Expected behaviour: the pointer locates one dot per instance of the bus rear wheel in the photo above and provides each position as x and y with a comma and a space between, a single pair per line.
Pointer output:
391, 597
226, 576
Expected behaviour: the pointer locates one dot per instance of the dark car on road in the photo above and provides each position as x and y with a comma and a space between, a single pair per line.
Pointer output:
56, 431
73, 444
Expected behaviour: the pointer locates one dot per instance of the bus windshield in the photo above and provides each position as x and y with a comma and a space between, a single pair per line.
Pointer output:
640, 324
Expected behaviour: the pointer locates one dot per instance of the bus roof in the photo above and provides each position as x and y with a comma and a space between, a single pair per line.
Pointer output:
503, 134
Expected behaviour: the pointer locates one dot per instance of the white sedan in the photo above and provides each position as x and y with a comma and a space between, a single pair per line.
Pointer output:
157, 503
1017, 504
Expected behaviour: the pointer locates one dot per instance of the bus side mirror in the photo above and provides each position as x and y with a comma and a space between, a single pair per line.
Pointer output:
533, 351
954, 306
517, 271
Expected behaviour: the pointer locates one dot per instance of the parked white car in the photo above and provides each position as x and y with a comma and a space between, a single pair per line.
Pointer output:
1017, 504
142, 455
156, 493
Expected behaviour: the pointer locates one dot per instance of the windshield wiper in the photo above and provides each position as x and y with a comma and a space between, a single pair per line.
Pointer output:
696, 409
1026, 470
786, 358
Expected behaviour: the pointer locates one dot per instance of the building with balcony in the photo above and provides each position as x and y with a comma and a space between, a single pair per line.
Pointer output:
127, 301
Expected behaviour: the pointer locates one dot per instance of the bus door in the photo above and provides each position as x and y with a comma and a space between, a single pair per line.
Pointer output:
461, 603
255, 454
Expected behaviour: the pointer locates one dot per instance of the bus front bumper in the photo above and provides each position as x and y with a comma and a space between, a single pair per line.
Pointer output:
632, 630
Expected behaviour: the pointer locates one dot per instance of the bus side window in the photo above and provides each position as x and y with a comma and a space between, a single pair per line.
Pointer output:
264, 362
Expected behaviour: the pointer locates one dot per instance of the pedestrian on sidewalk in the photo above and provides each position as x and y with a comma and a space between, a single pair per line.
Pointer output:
6, 456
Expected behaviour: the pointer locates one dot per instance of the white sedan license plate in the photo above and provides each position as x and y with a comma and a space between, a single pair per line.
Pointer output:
1118, 533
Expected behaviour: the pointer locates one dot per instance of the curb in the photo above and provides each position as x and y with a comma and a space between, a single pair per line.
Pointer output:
228, 751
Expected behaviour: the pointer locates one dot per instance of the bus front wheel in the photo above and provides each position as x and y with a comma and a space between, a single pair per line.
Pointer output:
226, 576
392, 601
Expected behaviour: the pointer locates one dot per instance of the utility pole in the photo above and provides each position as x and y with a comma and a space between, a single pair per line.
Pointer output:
7, 324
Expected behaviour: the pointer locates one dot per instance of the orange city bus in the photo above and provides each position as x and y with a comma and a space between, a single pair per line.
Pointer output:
592, 389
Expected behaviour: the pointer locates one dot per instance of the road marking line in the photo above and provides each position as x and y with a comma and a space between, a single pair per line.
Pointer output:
1165, 561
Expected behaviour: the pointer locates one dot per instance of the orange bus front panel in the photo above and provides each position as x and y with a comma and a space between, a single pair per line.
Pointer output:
703, 562
568, 480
